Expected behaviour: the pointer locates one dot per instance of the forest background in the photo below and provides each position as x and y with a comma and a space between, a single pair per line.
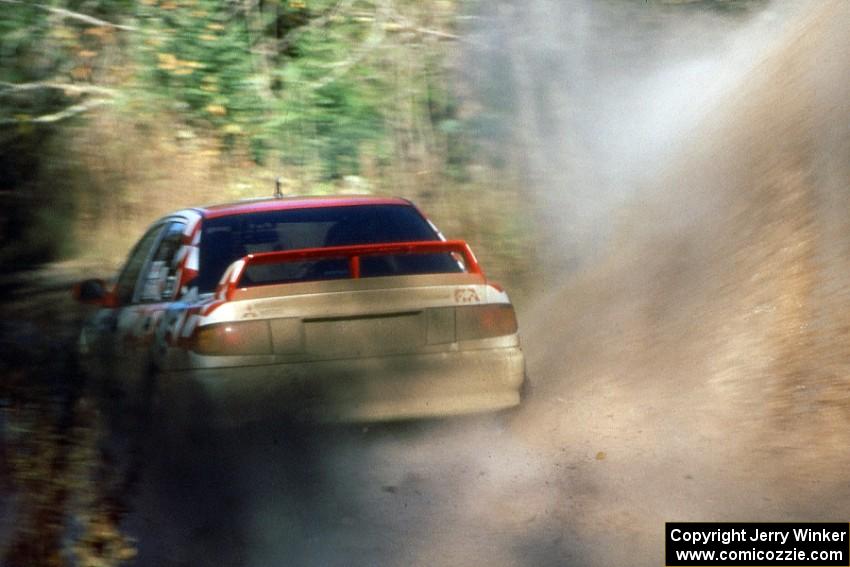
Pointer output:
113, 112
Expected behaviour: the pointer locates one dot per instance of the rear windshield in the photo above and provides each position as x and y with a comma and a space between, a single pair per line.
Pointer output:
226, 239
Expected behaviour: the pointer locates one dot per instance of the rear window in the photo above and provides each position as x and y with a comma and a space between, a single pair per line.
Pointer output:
226, 239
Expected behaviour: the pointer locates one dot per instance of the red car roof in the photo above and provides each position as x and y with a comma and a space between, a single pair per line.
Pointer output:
265, 205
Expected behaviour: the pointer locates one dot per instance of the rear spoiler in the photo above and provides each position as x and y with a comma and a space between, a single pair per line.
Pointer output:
230, 281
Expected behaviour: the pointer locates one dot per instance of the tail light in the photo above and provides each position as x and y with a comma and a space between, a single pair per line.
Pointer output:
238, 338
484, 321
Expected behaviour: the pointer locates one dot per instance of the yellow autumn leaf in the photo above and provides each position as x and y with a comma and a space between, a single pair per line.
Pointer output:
207, 37
87, 53
81, 72
127, 552
215, 26
167, 61
216, 109
167, 58
100, 31
63, 33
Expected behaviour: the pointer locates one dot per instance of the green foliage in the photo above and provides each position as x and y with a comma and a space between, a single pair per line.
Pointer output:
320, 90
291, 80
195, 54
269, 77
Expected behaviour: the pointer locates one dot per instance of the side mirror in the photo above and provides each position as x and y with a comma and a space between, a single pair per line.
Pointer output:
91, 291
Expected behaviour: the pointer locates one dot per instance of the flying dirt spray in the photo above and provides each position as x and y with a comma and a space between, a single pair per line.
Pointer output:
598, 98
693, 165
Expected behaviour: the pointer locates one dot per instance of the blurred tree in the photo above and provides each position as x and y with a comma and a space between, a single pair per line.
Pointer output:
320, 90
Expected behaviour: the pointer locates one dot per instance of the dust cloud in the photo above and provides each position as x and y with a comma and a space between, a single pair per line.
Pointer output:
704, 351
689, 351
596, 97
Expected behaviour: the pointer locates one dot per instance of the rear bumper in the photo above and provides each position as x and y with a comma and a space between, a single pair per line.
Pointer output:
356, 389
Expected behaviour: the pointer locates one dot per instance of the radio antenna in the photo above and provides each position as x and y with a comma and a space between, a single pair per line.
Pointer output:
278, 191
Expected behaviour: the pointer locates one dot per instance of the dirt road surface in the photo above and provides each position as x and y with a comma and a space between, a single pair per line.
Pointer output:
698, 372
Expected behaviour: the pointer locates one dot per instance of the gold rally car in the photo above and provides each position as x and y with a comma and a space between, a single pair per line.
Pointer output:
326, 308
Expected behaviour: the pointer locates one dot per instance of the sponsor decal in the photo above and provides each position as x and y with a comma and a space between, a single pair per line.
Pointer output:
467, 295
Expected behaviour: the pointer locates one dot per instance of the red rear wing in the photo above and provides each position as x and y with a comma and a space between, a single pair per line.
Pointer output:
230, 282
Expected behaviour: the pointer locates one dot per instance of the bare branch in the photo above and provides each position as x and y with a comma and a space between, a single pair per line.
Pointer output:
61, 115
406, 24
403, 24
436, 33
66, 87
65, 13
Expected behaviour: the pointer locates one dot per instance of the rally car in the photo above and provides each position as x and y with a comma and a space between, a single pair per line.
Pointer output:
349, 308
